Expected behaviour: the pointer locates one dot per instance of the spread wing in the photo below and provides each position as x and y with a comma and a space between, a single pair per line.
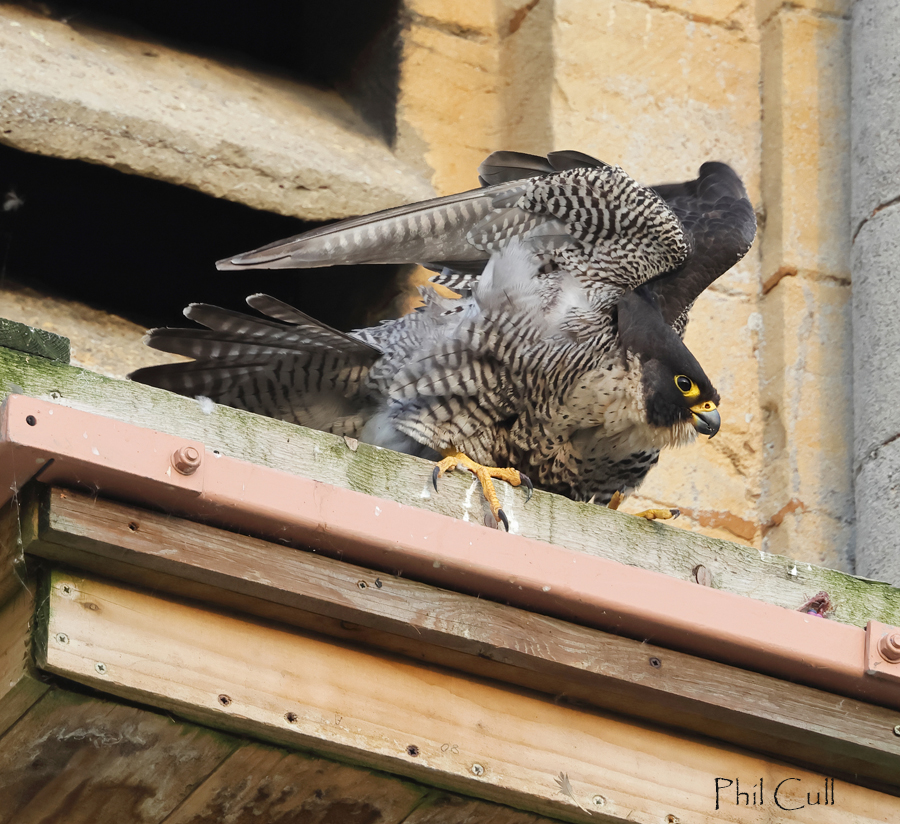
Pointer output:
575, 212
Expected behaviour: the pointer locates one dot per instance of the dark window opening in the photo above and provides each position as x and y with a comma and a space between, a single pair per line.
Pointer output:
144, 249
351, 46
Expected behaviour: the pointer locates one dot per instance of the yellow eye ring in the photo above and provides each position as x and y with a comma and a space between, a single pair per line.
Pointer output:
686, 386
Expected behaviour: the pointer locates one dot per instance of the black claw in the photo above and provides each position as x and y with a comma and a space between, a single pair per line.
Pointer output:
434, 476
503, 519
675, 513
529, 486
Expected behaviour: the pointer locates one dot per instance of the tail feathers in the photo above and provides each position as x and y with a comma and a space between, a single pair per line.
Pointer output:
303, 372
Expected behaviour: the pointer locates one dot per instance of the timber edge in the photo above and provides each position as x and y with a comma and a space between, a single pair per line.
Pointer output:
385, 474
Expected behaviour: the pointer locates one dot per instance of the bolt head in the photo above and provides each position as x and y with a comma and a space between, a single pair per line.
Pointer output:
186, 459
889, 648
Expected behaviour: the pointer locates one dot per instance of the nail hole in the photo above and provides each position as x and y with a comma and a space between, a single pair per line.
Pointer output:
224, 700
31, 420
290, 717
412, 750
134, 526
655, 663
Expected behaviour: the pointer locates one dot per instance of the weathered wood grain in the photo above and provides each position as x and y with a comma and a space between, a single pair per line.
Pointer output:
20, 686
476, 636
82, 760
509, 746
262, 784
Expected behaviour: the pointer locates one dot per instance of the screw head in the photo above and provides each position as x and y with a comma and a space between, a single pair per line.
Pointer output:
477, 769
224, 700
290, 717
186, 459
100, 667
655, 662
897, 730
598, 800
889, 648
62, 638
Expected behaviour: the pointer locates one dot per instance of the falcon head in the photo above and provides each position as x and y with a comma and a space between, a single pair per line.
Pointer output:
675, 388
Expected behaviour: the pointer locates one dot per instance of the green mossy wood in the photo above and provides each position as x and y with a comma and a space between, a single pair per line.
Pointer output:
392, 476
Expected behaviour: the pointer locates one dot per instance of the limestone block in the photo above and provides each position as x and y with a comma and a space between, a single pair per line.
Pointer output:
75, 92
806, 175
878, 511
876, 103
806, 394
654, 91
447, 111
876, 331
836, 8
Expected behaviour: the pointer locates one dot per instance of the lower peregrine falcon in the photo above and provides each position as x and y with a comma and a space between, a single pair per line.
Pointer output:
562, 357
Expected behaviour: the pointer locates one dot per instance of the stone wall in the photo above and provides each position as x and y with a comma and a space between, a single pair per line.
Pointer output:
657, 87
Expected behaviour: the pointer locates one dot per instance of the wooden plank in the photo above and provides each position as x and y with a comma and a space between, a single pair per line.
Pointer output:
392, 476
12, 573
83, 760
790, 721
20, 686
32, 341
258, 783
509, 746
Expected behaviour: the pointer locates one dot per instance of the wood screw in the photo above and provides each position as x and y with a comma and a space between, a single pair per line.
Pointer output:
599, 800
655, 663
224, 700
897, 730
62, 638
100, 667
186, 459
290, 717
477, 769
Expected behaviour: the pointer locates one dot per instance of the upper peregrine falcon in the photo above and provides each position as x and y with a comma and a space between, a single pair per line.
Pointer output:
562, 357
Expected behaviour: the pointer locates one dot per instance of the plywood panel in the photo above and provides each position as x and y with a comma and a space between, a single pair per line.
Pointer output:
807, 725
499, 744
80, 760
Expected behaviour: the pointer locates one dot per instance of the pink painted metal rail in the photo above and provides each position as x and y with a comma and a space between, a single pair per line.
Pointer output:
122, 461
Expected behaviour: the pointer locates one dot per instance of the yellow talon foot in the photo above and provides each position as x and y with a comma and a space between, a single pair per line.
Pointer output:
650, 514
658, 514
453, 458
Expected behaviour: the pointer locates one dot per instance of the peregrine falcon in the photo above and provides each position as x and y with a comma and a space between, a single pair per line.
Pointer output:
562, 357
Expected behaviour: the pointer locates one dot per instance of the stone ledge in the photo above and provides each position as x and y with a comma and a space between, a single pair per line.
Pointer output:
273, 144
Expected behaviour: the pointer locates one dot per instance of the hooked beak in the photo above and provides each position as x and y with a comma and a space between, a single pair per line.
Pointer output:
706, 418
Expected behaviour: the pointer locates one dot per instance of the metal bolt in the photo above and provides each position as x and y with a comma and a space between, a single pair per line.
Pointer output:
477, 769
598, 800
889, 648
186, 459
62, 638
100, 667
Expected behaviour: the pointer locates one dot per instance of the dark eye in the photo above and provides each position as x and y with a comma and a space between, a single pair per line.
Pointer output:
684, 384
